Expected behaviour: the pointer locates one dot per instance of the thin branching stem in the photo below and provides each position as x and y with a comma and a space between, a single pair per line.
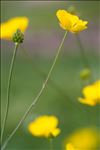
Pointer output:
54, 85
42, 74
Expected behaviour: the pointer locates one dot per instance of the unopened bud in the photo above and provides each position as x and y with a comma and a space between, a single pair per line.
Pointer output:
18, 37
73, 10
85, 74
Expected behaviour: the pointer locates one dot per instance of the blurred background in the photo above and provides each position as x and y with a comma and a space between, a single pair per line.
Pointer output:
60, 98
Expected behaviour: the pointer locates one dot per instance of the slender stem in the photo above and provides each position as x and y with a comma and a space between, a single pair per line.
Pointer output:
54, 85
8, 90
83, 56
51, 143
43, 75
37, 97
82, 52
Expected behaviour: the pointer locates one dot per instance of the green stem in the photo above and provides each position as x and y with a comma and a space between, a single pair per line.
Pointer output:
8, 90
82, 52
43, 75
54, 85
51, 143
83, 56
37, 97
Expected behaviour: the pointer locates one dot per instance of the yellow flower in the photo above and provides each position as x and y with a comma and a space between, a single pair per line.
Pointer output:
83, 139
44, 126
9, 27
91, 94
69, 146
70, 22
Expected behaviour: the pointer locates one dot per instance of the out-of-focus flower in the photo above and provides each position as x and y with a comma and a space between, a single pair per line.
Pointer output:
70, 22
44, 126
91, 94
69, 146
9, 27
83, 139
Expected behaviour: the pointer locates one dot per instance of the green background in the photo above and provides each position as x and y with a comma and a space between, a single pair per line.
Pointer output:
60, 98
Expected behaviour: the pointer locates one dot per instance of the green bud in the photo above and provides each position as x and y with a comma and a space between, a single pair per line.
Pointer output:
18, 37
72, 10
85, 74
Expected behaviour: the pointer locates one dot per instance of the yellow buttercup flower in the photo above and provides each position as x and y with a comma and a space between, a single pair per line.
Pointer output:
91, 94
70, 22
9, 27
44, 126
83, 139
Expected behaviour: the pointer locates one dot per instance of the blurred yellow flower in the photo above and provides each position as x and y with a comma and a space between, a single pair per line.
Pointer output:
9, 27
83, 139
70, 22
69, 146
91, 94
44, 126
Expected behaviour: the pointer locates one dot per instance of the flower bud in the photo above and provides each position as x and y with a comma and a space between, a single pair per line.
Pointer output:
18, 37
72, 10
85, 73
